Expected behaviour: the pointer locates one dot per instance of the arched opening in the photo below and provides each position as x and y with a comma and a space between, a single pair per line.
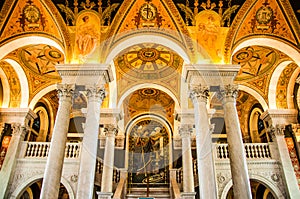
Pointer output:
257, 129
258, 189
149, 154
33, 191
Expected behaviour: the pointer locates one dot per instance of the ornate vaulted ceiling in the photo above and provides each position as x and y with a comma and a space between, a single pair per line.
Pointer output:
217, 29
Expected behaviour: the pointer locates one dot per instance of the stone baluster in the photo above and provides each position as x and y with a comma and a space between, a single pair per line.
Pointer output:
88, 156
206, 171
238, 165
53, 170
108, 163
187, 161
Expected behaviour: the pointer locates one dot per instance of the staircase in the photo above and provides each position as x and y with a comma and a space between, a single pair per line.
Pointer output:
154, 192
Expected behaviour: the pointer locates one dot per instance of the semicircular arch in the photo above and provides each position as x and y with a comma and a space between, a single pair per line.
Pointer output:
147, 85
19, 190
256, 95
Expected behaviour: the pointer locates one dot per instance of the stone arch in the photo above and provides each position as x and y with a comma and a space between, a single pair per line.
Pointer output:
269, 42
274, 81
267, 183
139, 118
6, 89
256, 95
29, 40
148, 85
40, 94
23, 82
24, 184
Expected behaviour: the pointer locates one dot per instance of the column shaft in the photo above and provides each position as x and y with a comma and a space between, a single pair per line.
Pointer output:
108, 163
187, 160
55, 160
206, 169
88, 155
238, 165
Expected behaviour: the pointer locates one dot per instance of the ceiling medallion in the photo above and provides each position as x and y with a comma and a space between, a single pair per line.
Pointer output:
264, 15
148, 54
148, 11
54, 55
148, 92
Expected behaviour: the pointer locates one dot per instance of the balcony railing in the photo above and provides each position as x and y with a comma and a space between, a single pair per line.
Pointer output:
253, 151
41, 150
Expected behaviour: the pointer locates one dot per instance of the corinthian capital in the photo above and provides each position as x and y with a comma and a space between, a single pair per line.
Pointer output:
185, 130
19, 130
198, 92
228, 92
110, 130
65, 90
96, 92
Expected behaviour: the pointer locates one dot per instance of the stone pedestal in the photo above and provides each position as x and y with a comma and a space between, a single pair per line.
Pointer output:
102, 195
187, 160
108, 162
88, 154
206, 169
186, 195
55, 160
238, 165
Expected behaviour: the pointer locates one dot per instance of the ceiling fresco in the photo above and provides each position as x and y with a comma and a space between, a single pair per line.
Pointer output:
257, 66
149, 100
148, 61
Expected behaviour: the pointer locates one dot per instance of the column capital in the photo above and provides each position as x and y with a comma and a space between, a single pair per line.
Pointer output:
211, 128
199, 92
95, 92
65, 90
19, 130
228, 93
185, 130
110, 130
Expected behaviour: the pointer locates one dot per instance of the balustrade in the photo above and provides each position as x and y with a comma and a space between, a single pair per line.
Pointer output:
41, 150
252, 151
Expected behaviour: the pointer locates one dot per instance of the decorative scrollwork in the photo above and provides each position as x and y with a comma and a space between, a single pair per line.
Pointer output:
65, 90
199, 92
96, 92
185, 130
228, 92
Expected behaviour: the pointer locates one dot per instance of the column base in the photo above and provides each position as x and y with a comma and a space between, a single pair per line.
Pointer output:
104, 195
188, 195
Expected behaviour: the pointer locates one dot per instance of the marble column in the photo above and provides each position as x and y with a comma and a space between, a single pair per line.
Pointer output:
18, 135
187, 160
88, 154
108, 162
206, 170
238, 165
55, 160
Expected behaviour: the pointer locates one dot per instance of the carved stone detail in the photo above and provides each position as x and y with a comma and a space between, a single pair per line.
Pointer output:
19, 130
96, 92
198, 92
185, 130
65, 90
110, 130
228, 92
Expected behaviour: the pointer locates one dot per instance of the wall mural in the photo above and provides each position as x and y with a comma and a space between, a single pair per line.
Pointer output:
148, 154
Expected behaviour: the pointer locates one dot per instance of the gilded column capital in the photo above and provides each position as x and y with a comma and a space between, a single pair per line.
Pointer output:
185, 130
110, 130
199, 92
228, 93
95, 92
65, 90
